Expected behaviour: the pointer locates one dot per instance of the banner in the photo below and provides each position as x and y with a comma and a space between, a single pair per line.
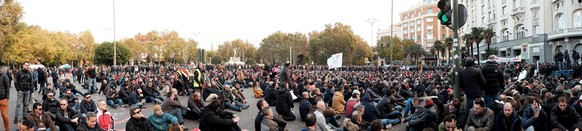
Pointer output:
335, 61
524, 51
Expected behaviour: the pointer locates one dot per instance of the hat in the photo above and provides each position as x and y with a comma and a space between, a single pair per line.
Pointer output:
355, 92
580, 98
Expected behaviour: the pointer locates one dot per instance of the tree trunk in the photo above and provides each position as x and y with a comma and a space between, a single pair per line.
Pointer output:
478, 55
471, 54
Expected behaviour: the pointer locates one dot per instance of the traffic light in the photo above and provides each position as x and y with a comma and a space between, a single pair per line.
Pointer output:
446, 12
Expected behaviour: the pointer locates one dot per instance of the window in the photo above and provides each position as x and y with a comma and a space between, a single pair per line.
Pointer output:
418, 37
429, 35
505, 35
419, 14
405, 25
418, 22
442, 36
504, 10
429, 11
482, 20
577, 18
561, 24
442, 27
536, 29
430, 27
483, 10
405, 17
411, 23
405, 31
520, 32
412, 30
429, 19
418, 29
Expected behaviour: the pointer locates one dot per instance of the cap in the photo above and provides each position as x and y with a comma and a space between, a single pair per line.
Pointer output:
580, 98
355, 92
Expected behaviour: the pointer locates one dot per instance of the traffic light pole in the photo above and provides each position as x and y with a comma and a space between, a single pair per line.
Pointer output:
458, 54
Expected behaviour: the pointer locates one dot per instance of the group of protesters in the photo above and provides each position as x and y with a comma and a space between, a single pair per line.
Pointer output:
351, 98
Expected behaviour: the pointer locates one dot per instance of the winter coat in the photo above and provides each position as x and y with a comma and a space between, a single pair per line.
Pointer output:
284, 101
51, 106
88, 107
65, 117
162, 123
208, 91
170, 105
271, 96
4, 86
493, 77
370, 111
23, 81
141, 124
482, 122
304, 108
211, 121
339, 103
528, 119
44, 120
502, 123
471, 80
565, 119
84, 127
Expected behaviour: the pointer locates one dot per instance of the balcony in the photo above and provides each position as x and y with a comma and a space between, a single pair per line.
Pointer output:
564, 33
518, 11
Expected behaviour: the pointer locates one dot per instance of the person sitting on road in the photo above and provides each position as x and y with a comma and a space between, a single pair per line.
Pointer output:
90, 124
216, 119
124, 92
104, 118
67, 118
172, 106
230, 101
71, 99
136, 98
41, 120
26, 125
137, 122
72, 87
88, 105
51, 105
112, 98
310, 123
48, 89
195, 104
237, 92
151, 94
161, 121
210, 92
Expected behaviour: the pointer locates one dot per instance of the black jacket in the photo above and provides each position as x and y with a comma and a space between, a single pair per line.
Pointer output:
271, 96
284, 101
565, 119
493, 77
212, 121
304, 108
208, 91
141, 124
83, 127
66, 119
51, 106
502, 123
23, 81
472, 80
4, 86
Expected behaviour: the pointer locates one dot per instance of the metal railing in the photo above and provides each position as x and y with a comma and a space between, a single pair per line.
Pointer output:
567, 30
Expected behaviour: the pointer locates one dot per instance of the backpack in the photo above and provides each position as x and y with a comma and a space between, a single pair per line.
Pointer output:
105, 121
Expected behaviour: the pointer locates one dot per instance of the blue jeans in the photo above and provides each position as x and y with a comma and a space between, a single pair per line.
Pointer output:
49, 129
138, 104
331, 120
560, 65
112, 102
393, 114
236, 107
42, 87
152, 99
489, 99
389, 121
22, 99
92, 85
178, 113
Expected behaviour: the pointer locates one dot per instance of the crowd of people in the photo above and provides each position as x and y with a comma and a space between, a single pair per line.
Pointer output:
351, 98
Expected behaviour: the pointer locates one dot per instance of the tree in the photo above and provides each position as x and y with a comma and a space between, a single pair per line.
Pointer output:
449, 46
415, 51
275, 47
383, 47
488, 34
477, 33
244, 50
10, 16
491, 51
104, 54
338, 38
440, 48
468, 38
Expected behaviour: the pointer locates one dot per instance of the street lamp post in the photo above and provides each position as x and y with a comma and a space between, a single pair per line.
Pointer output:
372, 21
114, 43
392, 32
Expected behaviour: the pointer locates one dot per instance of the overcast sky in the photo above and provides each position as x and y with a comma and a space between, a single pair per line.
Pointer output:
215, 21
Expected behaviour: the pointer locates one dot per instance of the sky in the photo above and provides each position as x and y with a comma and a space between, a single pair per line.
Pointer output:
210, 22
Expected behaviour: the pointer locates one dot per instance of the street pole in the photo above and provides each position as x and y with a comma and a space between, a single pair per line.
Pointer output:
456, 43
372, 21
114, 43
290, 55
392, 33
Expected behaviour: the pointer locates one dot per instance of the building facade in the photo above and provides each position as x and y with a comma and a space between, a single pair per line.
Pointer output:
396, 31
529, 29
421, 25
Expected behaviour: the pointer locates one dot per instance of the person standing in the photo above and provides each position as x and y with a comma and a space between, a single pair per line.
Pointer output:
472, 81
567, 58
24, 84
42, 74
493, 80
92, 74
575, 56
559, 58
4, 95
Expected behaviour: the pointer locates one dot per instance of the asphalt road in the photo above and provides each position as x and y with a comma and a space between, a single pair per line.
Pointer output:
121, 115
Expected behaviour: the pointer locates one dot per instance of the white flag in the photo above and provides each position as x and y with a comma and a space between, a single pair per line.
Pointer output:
335, 60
